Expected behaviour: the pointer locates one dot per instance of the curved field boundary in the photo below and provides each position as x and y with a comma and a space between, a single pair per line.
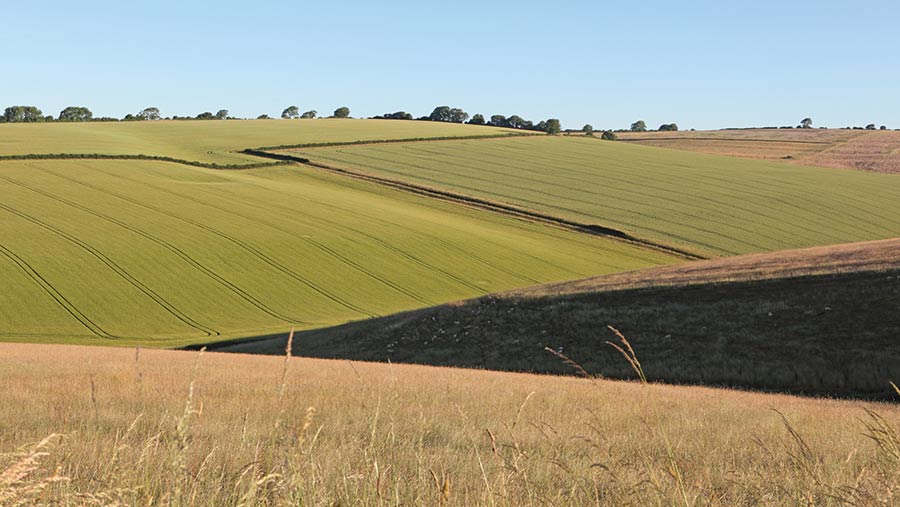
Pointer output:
389, 141
282, 159
597, 230
101, 156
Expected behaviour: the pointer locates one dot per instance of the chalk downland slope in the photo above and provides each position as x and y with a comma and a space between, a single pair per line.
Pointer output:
710, 205
161, 254
817, 321
213, 431
846, 149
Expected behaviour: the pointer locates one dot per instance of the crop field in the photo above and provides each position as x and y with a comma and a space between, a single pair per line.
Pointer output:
213, 141
139, 252
847, 149
712, 205
113, 426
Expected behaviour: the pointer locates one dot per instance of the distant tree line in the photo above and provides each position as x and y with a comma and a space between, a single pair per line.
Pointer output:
31, 114
449, 114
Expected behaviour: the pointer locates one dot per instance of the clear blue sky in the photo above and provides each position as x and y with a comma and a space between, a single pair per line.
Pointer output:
702, 64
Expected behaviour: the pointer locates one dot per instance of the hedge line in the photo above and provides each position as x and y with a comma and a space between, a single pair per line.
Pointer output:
157, 158
384, 141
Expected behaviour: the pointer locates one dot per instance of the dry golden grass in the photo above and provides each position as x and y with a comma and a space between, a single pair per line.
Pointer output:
174, 428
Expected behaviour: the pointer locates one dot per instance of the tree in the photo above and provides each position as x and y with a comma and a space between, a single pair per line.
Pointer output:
74, 113
290, 113
342, 112
608, 135
309, 114
440, 113
668, 127
222, 114
477, 119
552, 127
23, 114
498, 120
206, 115
588, 130
515, 121
870, 126
806, 123
457, 115
883, 127
263, 117
639, 126
150, 113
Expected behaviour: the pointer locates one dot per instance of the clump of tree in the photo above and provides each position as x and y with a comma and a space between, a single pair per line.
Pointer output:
448, 114
806, 123
477, 119
341, 112
588, 130
399, 115
639, 126
608, 135
149, 114
23, 114
290, 113
668, 127
551, 126
308, 115
263, 117
76, 113
870, 126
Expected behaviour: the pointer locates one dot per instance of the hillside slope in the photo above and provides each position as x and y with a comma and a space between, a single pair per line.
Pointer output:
817, 321
710, 205
152, 253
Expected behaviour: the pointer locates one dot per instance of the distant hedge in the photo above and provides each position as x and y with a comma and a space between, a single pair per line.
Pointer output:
157, 158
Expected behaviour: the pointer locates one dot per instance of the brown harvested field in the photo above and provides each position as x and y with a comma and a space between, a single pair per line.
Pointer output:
163, 427
833, 259
876, 151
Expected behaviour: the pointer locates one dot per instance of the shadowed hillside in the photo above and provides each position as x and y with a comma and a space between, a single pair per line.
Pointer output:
815, 321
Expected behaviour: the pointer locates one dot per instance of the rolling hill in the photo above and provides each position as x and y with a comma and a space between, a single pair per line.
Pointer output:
710, 205
214, 141
819, 321
153, 253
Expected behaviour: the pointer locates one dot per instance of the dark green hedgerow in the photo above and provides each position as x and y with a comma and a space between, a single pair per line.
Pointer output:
157, 158
405, 140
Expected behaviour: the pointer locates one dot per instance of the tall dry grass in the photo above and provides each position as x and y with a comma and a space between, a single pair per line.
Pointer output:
178, 428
